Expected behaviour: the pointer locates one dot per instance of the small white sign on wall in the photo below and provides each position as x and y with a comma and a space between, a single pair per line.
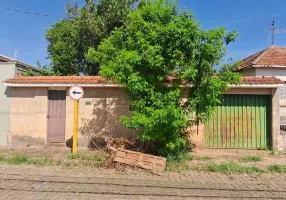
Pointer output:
76, 92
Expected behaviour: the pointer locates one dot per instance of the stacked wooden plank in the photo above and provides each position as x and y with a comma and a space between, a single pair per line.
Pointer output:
146, 161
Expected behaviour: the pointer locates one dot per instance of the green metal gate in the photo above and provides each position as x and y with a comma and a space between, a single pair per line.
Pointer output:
241, 121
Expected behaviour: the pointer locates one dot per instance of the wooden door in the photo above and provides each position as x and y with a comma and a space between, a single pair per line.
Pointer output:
241, 121
56, 116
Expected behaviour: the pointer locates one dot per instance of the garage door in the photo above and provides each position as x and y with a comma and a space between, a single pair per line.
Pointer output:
241, 121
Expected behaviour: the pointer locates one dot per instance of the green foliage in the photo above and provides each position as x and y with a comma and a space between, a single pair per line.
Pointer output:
251, 159
70, 38
160, 41
277, 168
44, 71
231, 167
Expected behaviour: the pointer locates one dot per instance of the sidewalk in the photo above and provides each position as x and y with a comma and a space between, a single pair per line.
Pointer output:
29, 182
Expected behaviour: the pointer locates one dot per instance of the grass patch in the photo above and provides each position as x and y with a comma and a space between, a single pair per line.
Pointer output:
181, 158
231, 167
277, 168
204, 158
177, 167
73, 156
2, 158
40, 161
255, 158
178, 163
90, 159
18, 160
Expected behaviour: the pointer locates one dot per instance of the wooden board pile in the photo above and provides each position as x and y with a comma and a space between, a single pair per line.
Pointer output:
154, 163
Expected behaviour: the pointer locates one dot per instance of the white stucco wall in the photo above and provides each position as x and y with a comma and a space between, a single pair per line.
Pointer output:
272, 71
7, 71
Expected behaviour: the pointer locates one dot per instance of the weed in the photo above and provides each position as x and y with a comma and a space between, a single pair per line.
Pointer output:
181, 158
231, 167
277, 168
18, 160
255, 158
95, 156
272, 153
2, 158
177, 167
73, 156
40, 161
204, 158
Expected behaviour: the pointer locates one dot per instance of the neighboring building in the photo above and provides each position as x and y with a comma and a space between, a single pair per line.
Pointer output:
9, 68
42, 113
268, 62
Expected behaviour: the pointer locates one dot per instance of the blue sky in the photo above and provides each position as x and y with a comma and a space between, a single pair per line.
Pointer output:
249, 17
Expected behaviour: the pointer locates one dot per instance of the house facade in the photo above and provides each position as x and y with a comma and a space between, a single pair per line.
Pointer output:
42, 113
269, 62
9, 68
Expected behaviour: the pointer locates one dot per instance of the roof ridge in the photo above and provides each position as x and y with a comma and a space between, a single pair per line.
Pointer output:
262, 54
281, 47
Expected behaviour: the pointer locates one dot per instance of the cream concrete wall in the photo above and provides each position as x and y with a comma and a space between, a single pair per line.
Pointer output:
99, 115
270, 71
265, 71
248, 72
28, 116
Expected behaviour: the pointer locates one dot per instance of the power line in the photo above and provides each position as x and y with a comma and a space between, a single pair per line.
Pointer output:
29, 13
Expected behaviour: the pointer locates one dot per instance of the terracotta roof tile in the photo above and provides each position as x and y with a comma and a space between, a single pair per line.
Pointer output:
271, 56
98, 79
261, 80
57, 79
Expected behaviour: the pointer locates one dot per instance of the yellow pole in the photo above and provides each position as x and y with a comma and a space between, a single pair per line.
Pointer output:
75, 127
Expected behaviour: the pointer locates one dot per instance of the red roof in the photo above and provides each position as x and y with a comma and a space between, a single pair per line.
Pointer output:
271, 56
259, 80
57, 79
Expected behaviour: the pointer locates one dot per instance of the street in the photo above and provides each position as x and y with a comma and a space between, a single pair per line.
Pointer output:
30, 182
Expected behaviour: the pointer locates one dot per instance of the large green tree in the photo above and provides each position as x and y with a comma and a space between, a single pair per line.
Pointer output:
153, 55
81, 28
